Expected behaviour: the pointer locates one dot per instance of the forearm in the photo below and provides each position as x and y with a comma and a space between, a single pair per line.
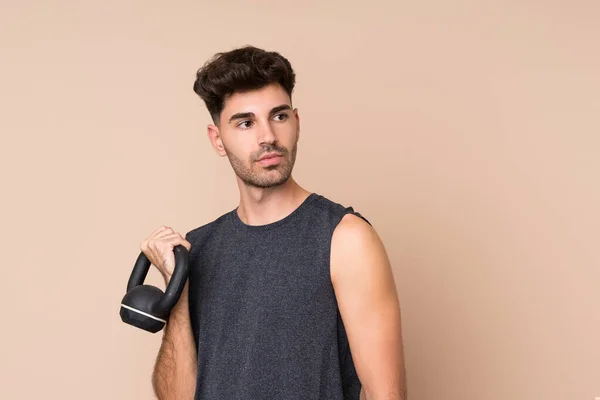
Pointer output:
401, 395
393, 388
174, 375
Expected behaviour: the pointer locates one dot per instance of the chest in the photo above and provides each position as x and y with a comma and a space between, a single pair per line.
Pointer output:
267, 284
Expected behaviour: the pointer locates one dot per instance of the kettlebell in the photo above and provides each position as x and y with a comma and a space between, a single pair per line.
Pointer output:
146, 306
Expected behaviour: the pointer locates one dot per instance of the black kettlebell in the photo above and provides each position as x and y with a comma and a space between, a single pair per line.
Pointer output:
146, 306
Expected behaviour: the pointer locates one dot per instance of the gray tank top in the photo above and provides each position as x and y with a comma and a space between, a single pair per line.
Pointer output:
263, 311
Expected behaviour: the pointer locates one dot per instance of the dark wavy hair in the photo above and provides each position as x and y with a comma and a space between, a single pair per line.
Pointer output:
240, 70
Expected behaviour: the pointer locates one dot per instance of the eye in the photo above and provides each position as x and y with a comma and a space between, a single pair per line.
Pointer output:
282, 116
244, 124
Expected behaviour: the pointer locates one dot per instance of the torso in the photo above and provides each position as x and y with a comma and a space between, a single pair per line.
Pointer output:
263, 308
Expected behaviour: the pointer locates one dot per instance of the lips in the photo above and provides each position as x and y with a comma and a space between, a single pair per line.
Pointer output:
268, 156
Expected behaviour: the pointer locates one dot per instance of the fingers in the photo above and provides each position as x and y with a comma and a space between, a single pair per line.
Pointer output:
156, 234
158, 247
166, 231
168, 262
158, 230
174, 239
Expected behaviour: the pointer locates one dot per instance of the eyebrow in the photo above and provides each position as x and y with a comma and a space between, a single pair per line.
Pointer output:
274, 110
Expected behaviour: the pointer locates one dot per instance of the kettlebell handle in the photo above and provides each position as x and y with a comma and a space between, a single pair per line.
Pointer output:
176, 283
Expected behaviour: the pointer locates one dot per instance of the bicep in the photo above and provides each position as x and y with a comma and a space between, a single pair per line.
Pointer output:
368, 301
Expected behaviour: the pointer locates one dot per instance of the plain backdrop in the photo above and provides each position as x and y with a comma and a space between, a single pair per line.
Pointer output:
467, 132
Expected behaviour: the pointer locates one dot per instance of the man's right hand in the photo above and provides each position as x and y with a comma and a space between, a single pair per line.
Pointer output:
158, 247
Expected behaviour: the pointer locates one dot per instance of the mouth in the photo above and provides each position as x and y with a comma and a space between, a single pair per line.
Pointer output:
269, 156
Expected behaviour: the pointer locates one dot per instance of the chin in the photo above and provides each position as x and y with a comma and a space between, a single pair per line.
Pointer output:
265, 180
269, 183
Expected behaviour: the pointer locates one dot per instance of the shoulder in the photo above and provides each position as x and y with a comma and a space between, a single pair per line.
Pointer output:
353, 230
336, 211
200, 233
356, 249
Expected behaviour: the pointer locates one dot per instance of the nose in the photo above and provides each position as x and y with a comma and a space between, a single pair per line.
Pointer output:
266, 135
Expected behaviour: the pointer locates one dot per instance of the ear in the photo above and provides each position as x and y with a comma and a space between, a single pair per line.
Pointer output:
214, 135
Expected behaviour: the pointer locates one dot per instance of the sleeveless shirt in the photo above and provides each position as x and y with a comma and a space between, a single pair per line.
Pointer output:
263, 310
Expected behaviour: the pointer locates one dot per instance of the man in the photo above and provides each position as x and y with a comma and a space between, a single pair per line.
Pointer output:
290, 295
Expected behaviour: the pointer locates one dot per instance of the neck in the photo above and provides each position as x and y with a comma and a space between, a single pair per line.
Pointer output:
260, 206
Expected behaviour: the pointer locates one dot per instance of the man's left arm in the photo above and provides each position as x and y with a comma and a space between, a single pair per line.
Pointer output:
368, 301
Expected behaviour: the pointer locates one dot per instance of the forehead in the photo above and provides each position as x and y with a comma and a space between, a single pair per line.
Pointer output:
258, 101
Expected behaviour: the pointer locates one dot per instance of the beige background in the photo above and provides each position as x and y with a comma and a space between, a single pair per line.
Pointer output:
468, 134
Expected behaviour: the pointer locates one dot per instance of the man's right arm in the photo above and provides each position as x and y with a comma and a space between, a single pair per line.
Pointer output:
174, 375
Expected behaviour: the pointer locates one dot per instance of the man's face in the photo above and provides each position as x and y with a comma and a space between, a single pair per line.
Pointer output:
259, 133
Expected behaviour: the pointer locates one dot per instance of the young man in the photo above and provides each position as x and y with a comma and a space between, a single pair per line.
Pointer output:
290, 295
